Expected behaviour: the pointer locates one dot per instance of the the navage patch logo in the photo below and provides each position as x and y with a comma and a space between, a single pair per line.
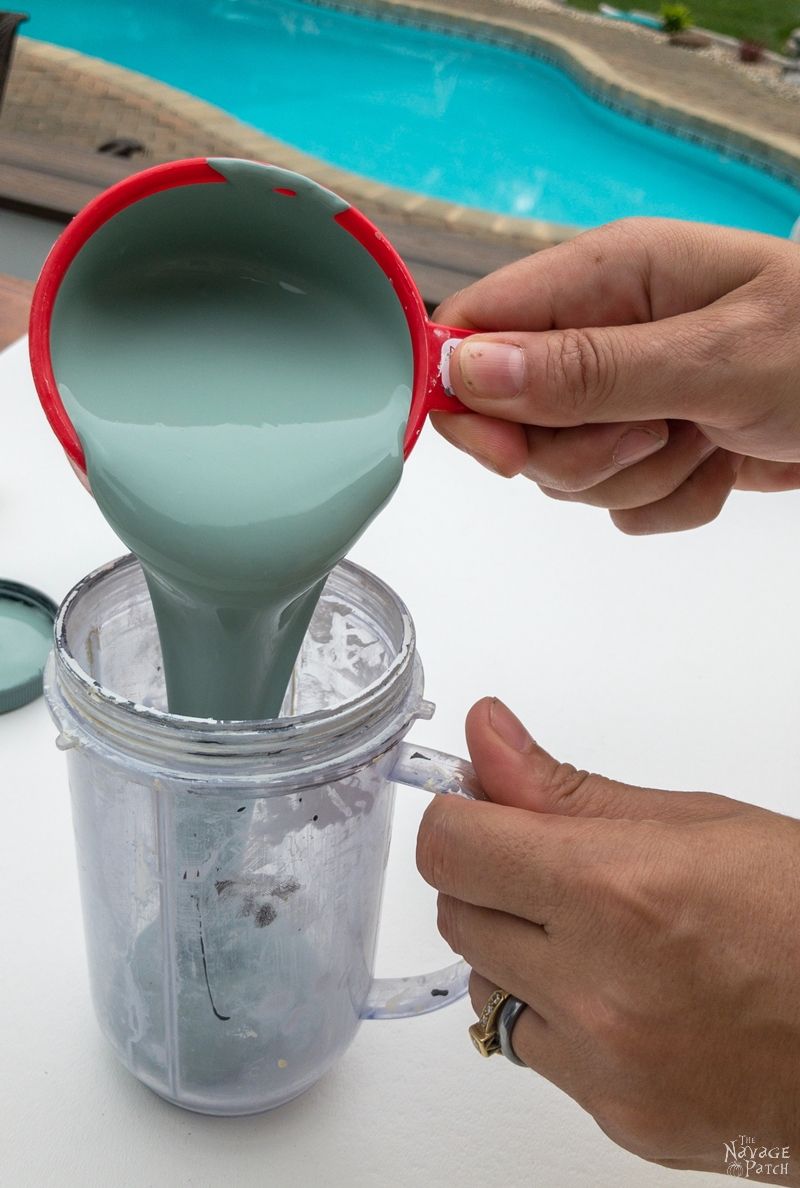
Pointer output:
746, 1158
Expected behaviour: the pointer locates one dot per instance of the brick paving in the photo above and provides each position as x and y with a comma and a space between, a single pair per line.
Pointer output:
54, 100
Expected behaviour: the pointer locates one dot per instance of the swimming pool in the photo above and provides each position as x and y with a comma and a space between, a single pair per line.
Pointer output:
439, 114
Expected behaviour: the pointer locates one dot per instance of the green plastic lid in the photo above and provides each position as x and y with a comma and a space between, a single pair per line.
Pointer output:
26, 636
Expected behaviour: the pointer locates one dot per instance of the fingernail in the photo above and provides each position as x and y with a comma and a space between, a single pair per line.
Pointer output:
492, 369
637, 444
508, 726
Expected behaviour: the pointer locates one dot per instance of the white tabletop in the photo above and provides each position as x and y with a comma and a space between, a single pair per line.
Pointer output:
666, 661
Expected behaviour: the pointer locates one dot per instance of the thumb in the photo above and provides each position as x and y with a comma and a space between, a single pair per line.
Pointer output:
514, 770
672, 368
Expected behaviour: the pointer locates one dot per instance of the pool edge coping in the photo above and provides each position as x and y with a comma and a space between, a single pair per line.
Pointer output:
775, 154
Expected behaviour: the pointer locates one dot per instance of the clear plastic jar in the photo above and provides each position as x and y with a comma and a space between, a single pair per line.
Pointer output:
231, 872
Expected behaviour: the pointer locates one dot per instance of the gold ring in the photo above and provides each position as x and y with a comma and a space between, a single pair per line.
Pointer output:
484, 1034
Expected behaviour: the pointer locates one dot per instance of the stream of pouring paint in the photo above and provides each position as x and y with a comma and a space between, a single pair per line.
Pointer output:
238, 370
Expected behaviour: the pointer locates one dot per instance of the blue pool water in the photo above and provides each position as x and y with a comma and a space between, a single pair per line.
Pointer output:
434, 113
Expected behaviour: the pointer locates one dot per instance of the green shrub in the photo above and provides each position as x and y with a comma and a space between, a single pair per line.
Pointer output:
675, 17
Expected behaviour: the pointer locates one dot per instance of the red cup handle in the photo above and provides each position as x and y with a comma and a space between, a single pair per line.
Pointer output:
443, 341
438, 396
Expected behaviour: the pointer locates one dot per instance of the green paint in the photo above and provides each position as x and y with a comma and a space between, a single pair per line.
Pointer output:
238, 370
26, 636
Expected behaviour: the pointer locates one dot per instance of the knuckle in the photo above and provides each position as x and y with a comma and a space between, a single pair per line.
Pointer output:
447, 920
630, 1125
631, 226
564, 480
778, 292
635, 521
573, 483
433, 845
717, 341
705, 512
477, 995
567, 787
577, 789
554, 493
504, 465
579, 477
451, 309
579, 367
631, 1118
697, 502
710, 486
613, 1029
721, 341
645, 895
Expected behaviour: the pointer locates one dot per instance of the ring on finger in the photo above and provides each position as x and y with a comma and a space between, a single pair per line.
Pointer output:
493, 1031
507, 1017
484, 1034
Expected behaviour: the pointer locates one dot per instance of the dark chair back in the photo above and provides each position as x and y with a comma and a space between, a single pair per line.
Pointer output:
9, 24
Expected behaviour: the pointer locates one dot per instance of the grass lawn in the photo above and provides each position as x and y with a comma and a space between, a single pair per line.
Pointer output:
767, 21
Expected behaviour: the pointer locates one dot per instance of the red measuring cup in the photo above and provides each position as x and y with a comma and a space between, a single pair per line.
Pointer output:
431, 344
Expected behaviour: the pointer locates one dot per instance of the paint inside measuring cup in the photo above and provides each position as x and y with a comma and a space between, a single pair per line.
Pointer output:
238, 369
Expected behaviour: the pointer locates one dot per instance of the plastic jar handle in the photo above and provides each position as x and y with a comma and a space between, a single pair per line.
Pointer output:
397, 998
